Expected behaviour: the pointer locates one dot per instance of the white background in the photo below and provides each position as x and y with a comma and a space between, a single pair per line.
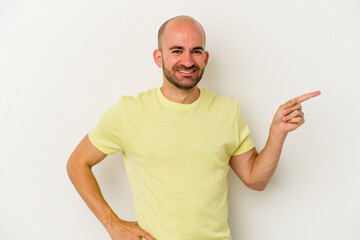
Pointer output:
63, 63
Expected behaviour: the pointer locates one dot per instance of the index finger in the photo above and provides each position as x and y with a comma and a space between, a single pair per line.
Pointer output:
307, 96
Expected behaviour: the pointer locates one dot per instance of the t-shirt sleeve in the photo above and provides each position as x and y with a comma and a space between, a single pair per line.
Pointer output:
106, 135
245, 141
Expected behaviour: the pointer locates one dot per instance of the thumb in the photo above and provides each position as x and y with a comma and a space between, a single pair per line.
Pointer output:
143, 233
146, 235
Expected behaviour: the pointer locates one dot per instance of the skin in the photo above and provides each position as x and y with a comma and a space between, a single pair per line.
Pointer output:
183, 56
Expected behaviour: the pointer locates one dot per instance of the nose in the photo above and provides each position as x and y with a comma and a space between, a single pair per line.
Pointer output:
187, 59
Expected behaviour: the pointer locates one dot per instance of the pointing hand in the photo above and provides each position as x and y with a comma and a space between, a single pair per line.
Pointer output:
290, 115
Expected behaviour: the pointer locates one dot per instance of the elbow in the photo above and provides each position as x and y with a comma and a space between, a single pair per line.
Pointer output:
69, 168
255, 183
75, 167
257, 186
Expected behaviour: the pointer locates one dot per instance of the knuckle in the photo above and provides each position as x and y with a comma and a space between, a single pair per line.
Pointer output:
296, 107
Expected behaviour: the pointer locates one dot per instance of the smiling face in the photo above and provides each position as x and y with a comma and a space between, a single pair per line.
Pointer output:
182, 54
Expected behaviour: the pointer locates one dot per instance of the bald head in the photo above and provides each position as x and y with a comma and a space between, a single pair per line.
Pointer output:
173, 22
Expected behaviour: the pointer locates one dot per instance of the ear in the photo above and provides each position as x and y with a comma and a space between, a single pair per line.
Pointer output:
158, 58
206, 57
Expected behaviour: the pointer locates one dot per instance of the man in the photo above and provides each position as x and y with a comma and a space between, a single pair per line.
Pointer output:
178, 143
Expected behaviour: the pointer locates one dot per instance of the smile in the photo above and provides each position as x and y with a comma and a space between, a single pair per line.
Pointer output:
186, 71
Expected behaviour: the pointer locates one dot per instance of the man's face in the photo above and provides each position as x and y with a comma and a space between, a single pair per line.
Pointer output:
183, 55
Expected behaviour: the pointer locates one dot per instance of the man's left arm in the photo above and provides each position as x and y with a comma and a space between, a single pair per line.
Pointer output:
256, 169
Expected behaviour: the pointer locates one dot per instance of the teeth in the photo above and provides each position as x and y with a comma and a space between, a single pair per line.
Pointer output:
183, 71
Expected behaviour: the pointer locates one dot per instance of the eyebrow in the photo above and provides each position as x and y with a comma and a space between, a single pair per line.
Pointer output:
198, 48
180, 47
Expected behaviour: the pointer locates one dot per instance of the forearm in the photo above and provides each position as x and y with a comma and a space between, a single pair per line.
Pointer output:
266, 161
88, 188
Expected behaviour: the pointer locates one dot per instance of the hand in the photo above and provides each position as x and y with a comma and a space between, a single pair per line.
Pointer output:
290, 115
124, 230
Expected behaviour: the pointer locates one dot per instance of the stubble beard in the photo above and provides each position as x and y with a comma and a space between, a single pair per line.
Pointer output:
170, 76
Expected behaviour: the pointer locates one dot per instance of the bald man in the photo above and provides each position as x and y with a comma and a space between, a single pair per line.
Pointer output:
179, 142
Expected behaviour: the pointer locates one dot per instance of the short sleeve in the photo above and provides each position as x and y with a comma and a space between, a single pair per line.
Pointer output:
245, 141
106, 135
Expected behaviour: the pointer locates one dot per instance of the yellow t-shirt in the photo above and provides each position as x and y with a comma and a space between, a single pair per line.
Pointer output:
177, 160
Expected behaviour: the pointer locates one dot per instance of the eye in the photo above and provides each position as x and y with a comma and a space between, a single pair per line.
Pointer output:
176, 51
197, 52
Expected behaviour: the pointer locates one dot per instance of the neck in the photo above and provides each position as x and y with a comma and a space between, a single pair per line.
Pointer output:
178, 95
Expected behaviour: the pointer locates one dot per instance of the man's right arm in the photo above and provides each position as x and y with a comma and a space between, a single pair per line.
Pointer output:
79, 165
